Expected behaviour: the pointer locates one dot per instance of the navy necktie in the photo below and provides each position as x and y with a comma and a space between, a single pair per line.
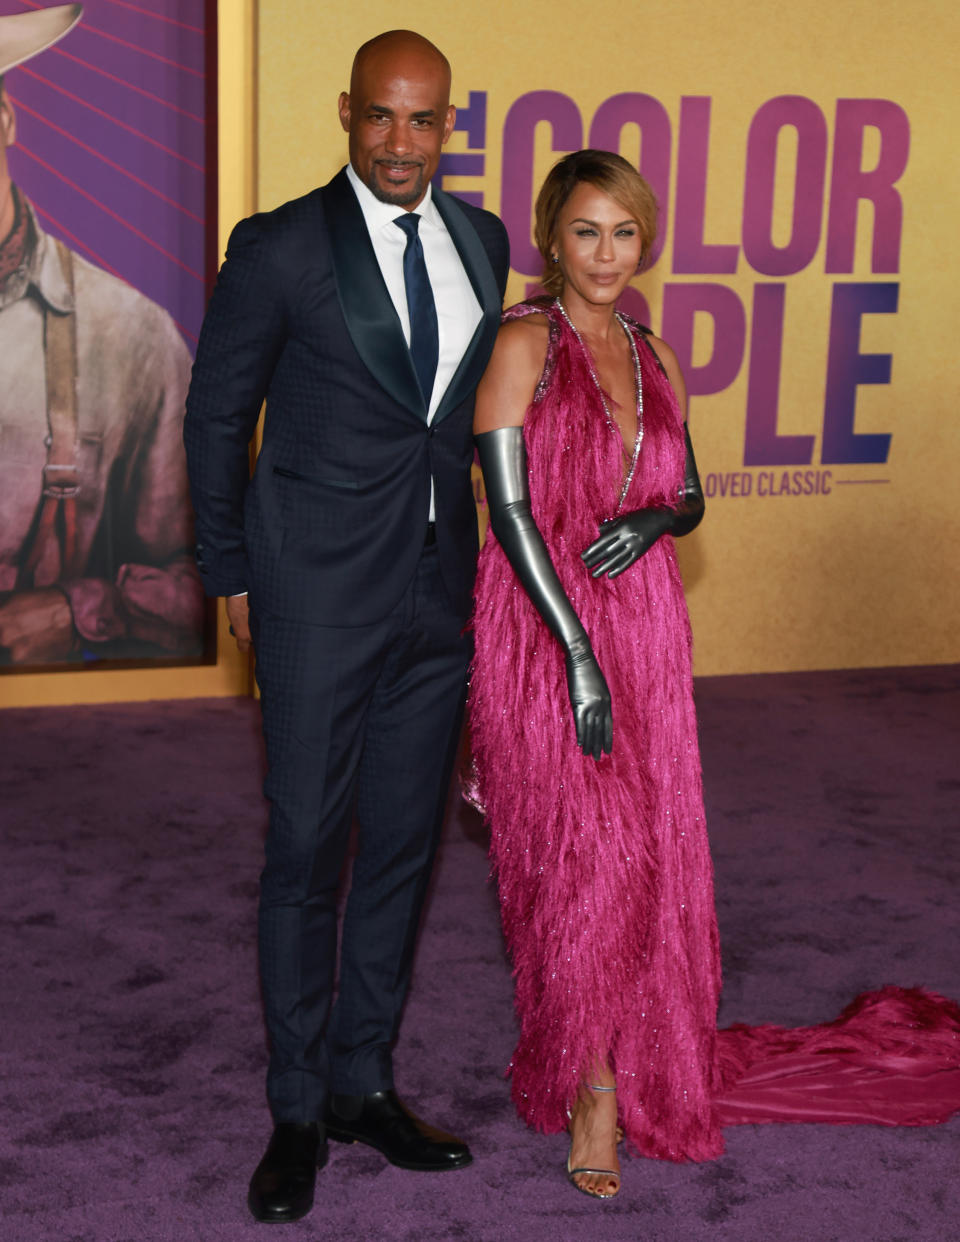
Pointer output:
424, 337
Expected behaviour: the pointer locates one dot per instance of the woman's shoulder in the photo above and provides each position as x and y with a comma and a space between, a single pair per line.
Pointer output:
538, 309
524, 334
534, 316
667, 364
665, 355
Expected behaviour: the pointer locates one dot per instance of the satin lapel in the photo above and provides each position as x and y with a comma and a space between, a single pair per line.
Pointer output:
369, 313
478, 269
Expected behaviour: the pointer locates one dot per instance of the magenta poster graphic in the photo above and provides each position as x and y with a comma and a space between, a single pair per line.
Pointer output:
106, 213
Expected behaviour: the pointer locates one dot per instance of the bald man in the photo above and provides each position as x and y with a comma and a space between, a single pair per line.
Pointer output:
364, 313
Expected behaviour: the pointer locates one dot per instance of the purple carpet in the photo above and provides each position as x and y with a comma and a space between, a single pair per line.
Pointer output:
132, 1050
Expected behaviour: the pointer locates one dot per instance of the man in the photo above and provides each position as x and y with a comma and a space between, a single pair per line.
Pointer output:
364, 313
95, 521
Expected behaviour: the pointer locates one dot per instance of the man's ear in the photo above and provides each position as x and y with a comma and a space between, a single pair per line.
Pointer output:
448, 122
343, 107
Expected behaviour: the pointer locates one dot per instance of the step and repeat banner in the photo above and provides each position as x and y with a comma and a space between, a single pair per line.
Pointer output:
106, 219
803, 271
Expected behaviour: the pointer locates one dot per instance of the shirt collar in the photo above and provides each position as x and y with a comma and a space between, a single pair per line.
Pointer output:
40, 269
378, 215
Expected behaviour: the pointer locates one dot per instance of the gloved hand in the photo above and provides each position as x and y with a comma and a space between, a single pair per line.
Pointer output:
590, 700
503, 459
625, 539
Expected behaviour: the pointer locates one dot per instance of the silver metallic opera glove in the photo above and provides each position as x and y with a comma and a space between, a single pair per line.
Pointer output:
503, 458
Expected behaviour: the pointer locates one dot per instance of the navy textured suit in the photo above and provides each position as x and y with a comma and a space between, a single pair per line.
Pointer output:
357, 625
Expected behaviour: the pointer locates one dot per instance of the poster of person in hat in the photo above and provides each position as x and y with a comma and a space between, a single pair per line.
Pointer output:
102, 236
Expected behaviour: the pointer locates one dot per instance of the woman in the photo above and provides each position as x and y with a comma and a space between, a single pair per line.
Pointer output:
598, 835
602, 863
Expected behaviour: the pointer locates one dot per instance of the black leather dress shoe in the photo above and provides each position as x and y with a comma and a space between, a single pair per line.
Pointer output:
381, 1121
281, 1188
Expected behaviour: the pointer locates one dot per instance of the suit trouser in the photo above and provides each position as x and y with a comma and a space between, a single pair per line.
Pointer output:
366, 717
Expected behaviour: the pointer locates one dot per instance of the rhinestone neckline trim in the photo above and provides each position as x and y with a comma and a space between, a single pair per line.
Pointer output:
611, 422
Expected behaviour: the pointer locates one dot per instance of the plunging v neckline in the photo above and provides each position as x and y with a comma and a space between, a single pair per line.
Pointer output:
630, 458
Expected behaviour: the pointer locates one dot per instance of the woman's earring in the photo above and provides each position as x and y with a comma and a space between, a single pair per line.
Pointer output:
555, 258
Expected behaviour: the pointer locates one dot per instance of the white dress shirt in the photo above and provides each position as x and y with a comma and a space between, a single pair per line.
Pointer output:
458, 311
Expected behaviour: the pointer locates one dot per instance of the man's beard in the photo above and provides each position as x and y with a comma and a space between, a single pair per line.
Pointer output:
397, 198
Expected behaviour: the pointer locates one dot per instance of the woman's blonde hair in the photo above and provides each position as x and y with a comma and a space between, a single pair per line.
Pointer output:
611, 174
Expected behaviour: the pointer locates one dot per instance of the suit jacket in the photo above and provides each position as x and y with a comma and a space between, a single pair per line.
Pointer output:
331, 526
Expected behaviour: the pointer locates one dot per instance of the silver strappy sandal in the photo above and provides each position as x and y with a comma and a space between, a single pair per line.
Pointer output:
573, 1174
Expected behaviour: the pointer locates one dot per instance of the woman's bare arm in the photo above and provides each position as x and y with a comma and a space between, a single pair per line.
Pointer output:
512, 374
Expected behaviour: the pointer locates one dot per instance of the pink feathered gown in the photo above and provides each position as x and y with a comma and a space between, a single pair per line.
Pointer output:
603, 868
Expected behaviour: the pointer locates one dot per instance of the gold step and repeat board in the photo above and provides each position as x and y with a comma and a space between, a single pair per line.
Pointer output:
804, 272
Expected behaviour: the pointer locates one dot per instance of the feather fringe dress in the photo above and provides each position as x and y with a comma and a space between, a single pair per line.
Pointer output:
603, 868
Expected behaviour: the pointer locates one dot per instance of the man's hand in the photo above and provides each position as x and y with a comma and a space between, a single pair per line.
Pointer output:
238, 614
36, 627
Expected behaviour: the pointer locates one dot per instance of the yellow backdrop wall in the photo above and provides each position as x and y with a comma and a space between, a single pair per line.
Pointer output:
805, 277
807, 193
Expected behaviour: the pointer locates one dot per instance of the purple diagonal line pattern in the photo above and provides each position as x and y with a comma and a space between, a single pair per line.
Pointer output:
114, 120
114, 215
159, 17
142, 51
87, 25
166, 103
110, 163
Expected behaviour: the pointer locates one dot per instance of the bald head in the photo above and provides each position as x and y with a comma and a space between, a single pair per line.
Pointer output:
398, 115
398, 46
